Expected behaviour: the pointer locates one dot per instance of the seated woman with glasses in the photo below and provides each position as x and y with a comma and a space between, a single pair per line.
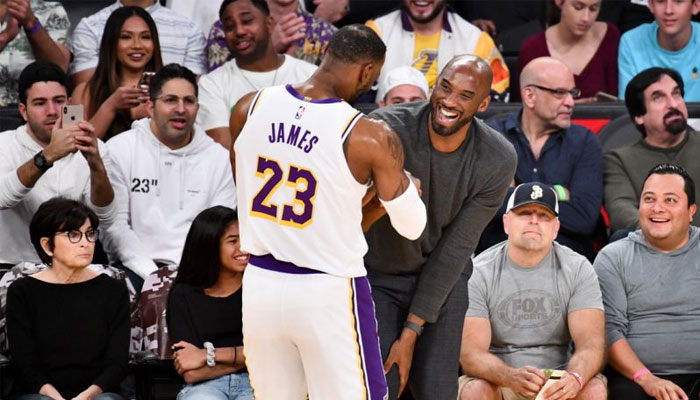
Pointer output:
588, 47
116, 94
68, 326
204, 310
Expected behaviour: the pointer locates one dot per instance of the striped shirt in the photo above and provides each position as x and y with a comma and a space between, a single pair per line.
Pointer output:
181, 40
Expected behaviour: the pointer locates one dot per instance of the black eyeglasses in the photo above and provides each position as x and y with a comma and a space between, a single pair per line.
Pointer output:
77, 236
560, 93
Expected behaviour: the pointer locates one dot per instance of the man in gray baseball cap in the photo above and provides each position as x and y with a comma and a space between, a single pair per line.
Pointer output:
529, 297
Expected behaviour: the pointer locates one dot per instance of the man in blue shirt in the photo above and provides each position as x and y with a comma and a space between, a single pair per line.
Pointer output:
671, 41
553, 151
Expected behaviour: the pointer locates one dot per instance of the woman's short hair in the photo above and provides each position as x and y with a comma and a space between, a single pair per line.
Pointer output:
58, 214
201, 256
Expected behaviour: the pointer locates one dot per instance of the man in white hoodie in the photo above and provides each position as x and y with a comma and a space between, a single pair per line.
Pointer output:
43, 159
165, 171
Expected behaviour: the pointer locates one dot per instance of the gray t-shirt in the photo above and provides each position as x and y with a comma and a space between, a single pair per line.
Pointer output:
528, 307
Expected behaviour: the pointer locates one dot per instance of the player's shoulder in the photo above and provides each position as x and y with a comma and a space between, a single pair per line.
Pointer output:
403, 118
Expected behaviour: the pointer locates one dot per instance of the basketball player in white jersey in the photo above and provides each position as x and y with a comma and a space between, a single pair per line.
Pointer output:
304, 159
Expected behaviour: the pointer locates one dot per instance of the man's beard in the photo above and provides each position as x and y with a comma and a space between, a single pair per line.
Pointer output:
438, 8
445, 131
676, 126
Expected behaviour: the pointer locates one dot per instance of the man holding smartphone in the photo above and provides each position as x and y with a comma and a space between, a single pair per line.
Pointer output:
46, 158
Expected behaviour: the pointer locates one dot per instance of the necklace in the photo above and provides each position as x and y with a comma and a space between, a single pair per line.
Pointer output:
274, 78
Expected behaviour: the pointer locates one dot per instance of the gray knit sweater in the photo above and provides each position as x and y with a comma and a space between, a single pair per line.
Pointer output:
462, 191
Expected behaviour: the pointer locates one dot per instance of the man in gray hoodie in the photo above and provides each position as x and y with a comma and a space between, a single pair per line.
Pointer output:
650, 283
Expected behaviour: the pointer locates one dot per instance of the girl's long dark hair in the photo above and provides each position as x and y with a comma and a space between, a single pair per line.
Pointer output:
108, 74
201, 260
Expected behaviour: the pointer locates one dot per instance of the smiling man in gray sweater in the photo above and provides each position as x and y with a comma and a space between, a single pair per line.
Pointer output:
419, 286
650, 283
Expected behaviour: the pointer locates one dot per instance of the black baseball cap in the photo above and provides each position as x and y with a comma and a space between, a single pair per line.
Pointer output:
534, 193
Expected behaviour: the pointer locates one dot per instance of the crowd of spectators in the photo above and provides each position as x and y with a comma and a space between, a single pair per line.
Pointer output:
157, 82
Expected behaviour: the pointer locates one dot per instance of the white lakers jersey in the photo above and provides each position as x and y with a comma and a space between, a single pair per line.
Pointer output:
297, 199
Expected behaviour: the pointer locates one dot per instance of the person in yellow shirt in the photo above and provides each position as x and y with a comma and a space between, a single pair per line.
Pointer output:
427, 34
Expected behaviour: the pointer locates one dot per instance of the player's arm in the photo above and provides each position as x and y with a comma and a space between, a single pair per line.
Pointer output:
477, 361
238, 118
375, 151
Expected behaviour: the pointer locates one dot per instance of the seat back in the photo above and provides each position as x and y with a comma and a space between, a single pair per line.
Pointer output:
152, 306
621, 131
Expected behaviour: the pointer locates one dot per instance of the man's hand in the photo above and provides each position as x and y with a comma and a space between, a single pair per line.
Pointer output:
22, 11
287, 31
127, 97
189, 357
86, 142
401, 354
10, 32
485, 25
331, 10
565, 388
527, 380
62, 142
661, 389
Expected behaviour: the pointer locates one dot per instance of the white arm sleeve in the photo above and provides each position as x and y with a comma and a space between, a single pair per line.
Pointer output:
407, 213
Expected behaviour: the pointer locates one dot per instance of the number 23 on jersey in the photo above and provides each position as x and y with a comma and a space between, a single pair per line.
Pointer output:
300, 179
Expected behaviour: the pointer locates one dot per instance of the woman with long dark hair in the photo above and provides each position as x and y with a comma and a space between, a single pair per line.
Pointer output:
115, 95
204, 310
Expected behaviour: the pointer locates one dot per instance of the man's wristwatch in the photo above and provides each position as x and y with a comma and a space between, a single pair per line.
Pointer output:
40, 162
414, 327
211, 361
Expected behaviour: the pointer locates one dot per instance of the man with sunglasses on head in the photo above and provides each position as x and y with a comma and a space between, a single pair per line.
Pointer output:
553, 151
45, 158
165, 171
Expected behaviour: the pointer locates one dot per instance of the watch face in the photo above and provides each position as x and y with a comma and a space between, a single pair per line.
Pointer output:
40, 162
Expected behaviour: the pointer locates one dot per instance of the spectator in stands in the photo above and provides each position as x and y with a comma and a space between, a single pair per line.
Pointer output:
420, 286
29, 31
256, 65
587, 47
68, 326
204, 310
402, 85
554, 151
650, 285
114, 96
334, 10
426, 37
203, 13
654, 100
165, 171
42, 159
529, 298
295, 32
506, 15
671, 41
181, 40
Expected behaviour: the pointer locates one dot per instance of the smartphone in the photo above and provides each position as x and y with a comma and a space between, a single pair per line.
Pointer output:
606, 97
72, 114
145, 81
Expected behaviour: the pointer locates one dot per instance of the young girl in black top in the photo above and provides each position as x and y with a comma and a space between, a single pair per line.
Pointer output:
204, 310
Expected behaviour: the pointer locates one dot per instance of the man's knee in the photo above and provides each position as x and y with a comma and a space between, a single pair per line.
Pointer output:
595, 389
478, 389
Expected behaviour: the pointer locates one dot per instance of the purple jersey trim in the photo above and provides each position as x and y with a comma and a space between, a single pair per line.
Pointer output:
366, 327
271, 263
299, 96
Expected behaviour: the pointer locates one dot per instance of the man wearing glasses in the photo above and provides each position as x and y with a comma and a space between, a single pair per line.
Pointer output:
553, 151
165, 171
